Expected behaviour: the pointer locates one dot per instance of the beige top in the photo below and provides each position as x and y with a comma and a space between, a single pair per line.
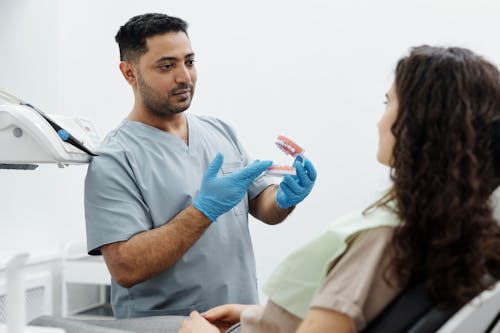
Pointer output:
355, 286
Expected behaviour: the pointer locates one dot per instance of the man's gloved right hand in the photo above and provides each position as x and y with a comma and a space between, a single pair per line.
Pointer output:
219, 194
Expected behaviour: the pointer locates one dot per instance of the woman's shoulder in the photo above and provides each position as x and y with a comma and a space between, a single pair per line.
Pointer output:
367, 238
356, 284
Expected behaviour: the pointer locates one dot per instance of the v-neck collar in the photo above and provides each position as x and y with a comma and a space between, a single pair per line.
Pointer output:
152, 132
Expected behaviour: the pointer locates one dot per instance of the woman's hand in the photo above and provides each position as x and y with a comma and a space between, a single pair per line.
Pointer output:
225, 316
197, 324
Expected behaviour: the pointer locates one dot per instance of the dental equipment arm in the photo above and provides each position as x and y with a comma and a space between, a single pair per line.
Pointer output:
29, 136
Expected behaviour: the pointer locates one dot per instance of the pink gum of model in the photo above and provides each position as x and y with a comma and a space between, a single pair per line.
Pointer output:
290, 148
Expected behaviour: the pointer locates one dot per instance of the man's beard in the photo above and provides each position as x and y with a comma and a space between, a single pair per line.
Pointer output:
158, 105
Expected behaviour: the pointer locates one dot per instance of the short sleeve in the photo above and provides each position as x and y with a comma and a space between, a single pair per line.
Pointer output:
356, 285
260, 184
114, 207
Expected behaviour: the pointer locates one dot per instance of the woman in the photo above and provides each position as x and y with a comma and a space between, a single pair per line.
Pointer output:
436, 135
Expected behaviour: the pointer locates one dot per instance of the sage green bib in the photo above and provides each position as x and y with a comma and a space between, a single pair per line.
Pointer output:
298, 278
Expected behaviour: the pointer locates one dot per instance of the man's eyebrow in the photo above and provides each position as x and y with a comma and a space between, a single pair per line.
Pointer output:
387, 96
165, 59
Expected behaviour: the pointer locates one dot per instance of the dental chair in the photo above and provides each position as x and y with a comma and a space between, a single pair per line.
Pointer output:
156, 324
414, 312
411, 312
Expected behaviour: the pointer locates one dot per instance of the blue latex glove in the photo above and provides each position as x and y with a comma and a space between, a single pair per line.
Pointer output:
219, 194
294, 189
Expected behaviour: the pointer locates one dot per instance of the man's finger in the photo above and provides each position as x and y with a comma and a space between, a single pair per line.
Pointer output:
292, 184
301, 174
215, 165
253, 170
311, 171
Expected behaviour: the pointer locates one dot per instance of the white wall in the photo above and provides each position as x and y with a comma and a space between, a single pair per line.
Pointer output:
36, 207
316, 71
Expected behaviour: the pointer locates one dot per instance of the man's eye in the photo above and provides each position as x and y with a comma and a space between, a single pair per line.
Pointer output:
166, 67
190, 62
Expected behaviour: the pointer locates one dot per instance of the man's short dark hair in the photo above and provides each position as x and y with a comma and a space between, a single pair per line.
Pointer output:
131, 37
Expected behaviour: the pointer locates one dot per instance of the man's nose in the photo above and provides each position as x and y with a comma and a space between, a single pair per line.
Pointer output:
183, 75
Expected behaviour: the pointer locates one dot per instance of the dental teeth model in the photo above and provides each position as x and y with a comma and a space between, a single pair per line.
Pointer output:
289, 147
280, 170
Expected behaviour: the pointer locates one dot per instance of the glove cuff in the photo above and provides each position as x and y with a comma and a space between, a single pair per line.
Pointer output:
283, 204
201, 209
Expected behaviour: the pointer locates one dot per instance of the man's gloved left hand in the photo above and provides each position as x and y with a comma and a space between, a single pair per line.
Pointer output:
294, 189
219, 194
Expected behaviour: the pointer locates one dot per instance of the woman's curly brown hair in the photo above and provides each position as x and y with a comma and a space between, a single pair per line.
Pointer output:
443, 172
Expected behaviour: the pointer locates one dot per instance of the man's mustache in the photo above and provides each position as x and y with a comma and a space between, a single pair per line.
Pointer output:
181, 87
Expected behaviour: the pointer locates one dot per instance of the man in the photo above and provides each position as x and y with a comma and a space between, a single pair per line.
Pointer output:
167, 199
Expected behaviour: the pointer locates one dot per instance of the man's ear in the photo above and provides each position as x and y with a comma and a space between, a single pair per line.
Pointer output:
129, 72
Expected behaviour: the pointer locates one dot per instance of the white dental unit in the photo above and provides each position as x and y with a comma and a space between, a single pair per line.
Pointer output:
29, 137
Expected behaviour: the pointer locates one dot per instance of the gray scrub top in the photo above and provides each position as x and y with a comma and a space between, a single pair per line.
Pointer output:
141, 179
